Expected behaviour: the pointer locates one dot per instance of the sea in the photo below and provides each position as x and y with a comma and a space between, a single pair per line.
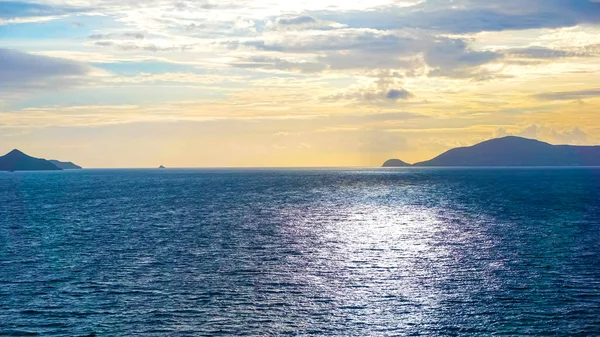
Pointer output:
301, 252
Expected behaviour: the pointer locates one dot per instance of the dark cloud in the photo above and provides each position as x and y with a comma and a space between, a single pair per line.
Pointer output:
302, 22
104, 43
21, 71
542, 53
471, 16
297, 20
569, 95
395, 94
453, 58
591, 50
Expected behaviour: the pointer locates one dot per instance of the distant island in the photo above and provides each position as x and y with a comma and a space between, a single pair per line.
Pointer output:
16, 160
512, 151
65, 165
507, 151
395, 163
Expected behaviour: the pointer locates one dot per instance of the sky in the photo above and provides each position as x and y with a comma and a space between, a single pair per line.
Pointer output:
252, 83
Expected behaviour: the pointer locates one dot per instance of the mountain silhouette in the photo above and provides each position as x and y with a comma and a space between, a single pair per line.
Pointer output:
517, 151
395, 163
16, 160
65, 165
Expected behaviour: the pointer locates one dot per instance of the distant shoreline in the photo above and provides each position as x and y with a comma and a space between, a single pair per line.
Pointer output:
316, 168
507, 152
511, 152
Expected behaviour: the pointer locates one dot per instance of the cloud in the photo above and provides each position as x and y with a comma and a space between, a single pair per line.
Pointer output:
297, 20
206, 5
574, 135
396, 94
453, 58
375, 117
455, 17
569, 95
132, 45
343, 39
124, 35
472, 16
341, 45
276, 63
24, 72
302, 22
541, 53
372, 96
415, 52
385, 90
412, 36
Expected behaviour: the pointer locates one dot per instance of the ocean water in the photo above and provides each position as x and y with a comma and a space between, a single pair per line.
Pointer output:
371, 252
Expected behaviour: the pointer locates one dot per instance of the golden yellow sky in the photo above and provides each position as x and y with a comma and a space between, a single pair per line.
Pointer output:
322, 83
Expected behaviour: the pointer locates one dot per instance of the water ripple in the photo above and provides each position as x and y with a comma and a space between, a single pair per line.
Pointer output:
300, 252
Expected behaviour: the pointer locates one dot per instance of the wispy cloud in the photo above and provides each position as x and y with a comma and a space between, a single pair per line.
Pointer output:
569, 95
20, 9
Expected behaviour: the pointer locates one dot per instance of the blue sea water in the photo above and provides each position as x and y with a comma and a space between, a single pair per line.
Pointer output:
370, 252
